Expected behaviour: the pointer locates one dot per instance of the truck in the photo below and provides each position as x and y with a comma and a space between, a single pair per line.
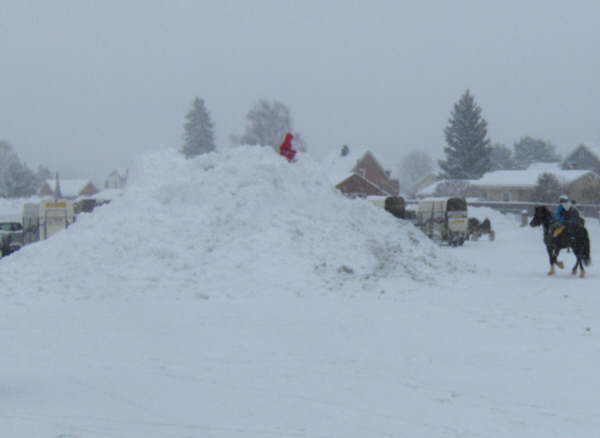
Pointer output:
444, 220
43, 219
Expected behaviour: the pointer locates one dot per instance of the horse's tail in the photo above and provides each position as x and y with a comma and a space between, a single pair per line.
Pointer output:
586, 258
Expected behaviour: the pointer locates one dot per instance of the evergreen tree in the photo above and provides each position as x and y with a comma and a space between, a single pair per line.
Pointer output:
199, 133
468, 150
534, 150
269, 123
547, 189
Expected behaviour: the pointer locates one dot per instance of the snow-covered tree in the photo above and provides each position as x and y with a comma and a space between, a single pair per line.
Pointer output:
199, 132
501, 157
269, 123
534, 150
548, 189
16, 179
19, 181
468, 150
453, 187
413, 166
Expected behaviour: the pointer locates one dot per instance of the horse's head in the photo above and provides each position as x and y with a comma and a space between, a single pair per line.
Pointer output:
542, 216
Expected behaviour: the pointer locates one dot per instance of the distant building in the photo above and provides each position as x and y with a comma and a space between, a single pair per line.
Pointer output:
583, 157
519, 185
359, 174
116, 179
69, 188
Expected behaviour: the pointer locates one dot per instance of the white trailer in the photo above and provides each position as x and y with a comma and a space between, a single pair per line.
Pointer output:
43, 219
444, 219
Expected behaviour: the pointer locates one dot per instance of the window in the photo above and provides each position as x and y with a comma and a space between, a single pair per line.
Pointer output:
506, 197
361, 172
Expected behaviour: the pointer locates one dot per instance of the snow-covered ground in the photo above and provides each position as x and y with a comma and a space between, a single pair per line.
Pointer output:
238, 295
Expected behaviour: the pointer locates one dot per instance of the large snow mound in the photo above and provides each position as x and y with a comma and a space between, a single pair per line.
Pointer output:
239, 222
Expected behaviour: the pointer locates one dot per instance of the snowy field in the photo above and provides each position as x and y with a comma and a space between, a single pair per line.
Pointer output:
238, 295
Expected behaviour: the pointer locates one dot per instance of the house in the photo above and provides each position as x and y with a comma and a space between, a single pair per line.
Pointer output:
69, 188
358, 174
584, 157
518, 186
116, 179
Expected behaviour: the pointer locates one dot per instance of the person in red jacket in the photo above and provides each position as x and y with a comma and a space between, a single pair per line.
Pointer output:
286, 147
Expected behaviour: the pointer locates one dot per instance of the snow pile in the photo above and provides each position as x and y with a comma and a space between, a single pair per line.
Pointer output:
239, 222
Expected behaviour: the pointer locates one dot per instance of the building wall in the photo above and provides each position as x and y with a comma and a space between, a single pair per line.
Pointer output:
357, 185
89, 190
371, 170
506, 194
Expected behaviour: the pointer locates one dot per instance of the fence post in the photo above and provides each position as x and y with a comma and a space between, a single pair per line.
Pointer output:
524, 218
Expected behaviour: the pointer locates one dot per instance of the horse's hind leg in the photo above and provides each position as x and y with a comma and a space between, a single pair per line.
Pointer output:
578, 265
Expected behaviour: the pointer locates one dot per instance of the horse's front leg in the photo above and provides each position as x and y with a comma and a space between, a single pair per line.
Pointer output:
560, 264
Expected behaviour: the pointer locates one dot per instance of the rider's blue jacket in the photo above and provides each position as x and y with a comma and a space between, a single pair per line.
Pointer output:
560, 214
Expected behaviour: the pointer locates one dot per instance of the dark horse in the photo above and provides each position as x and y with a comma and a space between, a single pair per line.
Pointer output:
576, 238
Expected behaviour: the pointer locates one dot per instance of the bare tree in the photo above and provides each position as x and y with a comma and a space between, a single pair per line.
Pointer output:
412, 167
269, 122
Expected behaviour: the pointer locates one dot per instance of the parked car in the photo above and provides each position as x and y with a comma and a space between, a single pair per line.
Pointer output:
11, 235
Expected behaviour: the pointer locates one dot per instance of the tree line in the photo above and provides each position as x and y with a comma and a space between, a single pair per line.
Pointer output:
268, 122
470, 154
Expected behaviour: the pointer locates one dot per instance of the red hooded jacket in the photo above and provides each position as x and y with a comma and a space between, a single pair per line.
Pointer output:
286, 147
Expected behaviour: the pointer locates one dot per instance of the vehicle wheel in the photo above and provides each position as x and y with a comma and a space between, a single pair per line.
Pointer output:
492, 236
461, 242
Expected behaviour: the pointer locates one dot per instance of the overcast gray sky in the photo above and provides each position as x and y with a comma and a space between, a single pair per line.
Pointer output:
85, 84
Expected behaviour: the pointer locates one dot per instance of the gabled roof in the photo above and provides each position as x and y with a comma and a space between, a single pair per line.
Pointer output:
593, 149
69, 188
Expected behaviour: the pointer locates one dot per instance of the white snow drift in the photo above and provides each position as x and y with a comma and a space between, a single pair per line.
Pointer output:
239, 223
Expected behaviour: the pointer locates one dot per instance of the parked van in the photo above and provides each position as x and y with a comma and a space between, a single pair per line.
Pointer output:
444, 219
43, 219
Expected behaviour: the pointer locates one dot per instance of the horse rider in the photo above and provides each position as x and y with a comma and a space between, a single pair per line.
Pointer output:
561, 218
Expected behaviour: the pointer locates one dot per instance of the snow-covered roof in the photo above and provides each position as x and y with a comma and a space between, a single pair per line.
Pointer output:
108, 195
339, 168
69, 187
517, 178
528, 177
